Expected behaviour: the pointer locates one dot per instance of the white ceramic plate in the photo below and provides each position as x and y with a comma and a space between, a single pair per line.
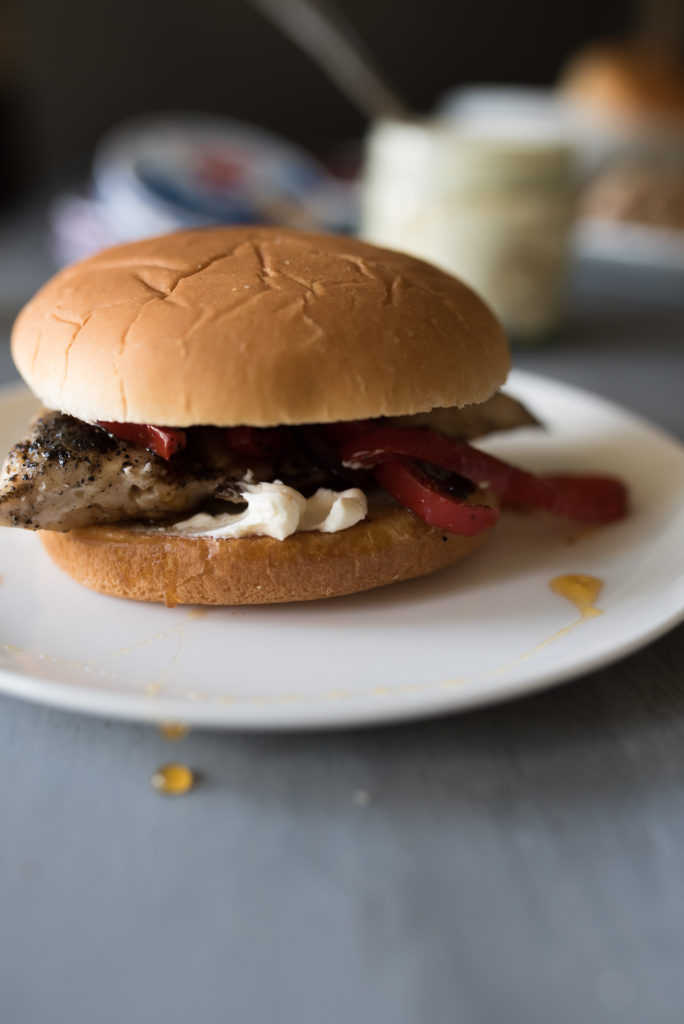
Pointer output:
483, 631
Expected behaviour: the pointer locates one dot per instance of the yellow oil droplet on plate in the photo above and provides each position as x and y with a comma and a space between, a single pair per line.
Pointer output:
197, 613
173, 779
173, 731
582, 590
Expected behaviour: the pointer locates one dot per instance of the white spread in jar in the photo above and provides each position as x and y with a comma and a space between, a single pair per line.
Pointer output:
275, 510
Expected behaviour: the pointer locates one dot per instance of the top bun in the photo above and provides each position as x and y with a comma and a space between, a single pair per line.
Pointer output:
258, 326
631, 81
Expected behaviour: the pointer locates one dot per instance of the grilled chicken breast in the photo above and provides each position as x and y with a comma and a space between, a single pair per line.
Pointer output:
500, 412
67, 474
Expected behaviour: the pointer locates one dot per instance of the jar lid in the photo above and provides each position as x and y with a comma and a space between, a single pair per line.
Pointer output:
448, 153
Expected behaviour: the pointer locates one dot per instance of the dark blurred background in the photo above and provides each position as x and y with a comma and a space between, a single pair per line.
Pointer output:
69, 70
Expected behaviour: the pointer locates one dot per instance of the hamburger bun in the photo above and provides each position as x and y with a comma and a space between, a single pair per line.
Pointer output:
387, 547
631, 83
259, 326
255, 326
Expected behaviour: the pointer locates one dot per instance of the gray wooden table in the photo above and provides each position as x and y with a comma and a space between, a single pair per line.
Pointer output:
523, 864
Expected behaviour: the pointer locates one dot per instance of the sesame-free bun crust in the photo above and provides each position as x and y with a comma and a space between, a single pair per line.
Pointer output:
391, 545
258, 326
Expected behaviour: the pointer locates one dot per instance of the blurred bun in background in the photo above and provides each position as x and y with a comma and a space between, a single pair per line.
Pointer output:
628, 85
627, 102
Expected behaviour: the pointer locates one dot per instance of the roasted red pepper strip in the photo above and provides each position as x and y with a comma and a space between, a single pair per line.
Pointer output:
588, 499
163, 441
416, 491
602, 499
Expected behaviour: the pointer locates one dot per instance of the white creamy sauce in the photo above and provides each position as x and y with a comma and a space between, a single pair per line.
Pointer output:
275, 510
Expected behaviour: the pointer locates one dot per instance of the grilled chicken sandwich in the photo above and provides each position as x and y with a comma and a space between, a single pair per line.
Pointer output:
254, 415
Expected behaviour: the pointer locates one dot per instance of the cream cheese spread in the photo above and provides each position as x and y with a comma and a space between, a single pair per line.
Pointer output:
275, 510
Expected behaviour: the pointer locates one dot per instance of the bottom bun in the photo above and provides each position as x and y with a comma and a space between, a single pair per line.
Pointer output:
391, 545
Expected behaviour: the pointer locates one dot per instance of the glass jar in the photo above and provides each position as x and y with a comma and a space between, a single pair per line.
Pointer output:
494, 210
